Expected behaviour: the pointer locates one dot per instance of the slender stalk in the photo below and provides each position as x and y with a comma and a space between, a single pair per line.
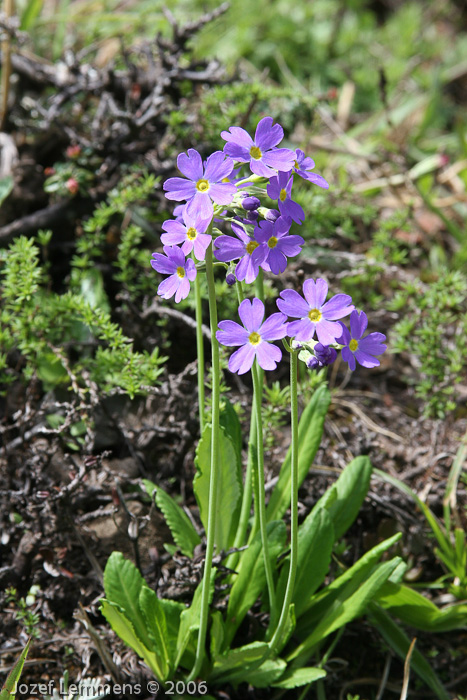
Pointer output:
213, 483
261, 506
200, 353
293, 506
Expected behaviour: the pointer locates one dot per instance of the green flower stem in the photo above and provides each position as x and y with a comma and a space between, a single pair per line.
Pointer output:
260, 502
200, 353
213, 484
293, 506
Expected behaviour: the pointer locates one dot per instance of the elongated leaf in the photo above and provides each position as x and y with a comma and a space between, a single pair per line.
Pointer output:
345, 608
6, 187
8, 692
397, 640
266, 674
172, 611
251, 580
438, 530
122, 585
156, 623
30, 14
346, 584
315, 543
217, 633
237, 659
351, 488
122, 626
310, 430
296, 677
183, 532
414, 609
229, 486
189, 623
231, 424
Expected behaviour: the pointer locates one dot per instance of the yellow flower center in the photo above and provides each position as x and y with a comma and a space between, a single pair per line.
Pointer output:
181, 272
202, 185
272, 242
315, 315
225, 179
283, 195
295, 164
191, 233
251, 246
353, 345
254, 338
255, 152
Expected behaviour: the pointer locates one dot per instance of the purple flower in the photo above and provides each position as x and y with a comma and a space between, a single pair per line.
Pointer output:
206, 182
191, 233
277, 244
181, 272
304, 165
262, 155
357, 348
250, 203
227, 248
255, 337
315, 313
271, 214
280, 188
178, 211
324, 355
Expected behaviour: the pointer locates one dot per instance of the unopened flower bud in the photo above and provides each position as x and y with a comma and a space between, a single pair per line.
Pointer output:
72, 185
73, 151
230, 279
252, 216
272, 215
251, 203
325, 354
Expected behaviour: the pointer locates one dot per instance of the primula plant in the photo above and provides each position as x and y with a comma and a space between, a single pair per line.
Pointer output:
225, 222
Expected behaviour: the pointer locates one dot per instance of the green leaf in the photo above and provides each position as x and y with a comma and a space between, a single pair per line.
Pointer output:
417, 611
348, 605
30, 14
6, 186
397, 640
229, 487
123, 584
183, 532
238, 658
189, 623
266, 674
217, 633
156, 624
349, 581
250, 582
351, 488
315, 543
310, 430
8, 692
296, 677
231, 424
122, 626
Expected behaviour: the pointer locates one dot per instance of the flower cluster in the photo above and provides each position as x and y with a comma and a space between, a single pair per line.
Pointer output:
217, 190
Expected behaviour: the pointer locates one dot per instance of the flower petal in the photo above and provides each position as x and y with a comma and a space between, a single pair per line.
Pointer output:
292, 304
183, 290
200, 204
178, 188
373, 344
327, 331
274, 327
268, 355
348, 356
242, 359
222, 192
168, 287
190, 164
217, 167
267, 136
358, 324
163, 264
227, 248
303, 330
238, 136
232, 333
251, 314
315, 292
280, 159
338, 307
